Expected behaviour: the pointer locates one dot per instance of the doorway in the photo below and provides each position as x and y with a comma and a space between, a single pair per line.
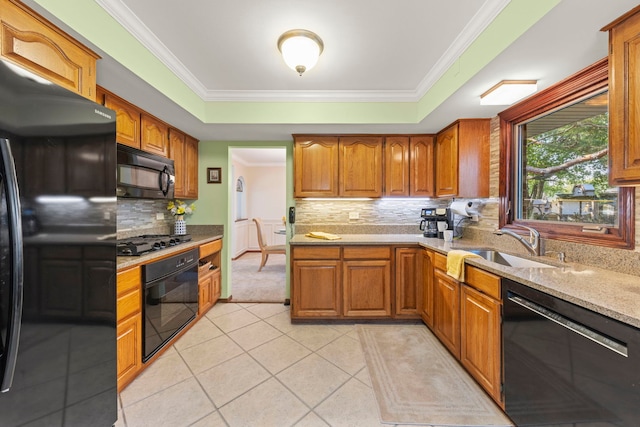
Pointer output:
259, 190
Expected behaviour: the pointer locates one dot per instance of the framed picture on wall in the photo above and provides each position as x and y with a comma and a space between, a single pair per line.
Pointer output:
214, 175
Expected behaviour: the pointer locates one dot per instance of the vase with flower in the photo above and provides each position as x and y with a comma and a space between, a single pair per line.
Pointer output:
179, 209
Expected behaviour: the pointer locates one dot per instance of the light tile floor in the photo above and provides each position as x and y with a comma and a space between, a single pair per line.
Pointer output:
248, 365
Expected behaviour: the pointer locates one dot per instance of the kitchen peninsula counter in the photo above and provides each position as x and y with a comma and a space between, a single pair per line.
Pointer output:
125, 262
613, 294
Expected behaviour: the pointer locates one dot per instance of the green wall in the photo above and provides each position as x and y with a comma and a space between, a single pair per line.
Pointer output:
214, 200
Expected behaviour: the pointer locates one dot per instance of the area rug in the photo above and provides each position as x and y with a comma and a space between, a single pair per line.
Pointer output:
250, 285
417, 381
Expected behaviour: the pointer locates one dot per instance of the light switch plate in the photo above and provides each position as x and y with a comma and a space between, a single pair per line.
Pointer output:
159, 215
354, 215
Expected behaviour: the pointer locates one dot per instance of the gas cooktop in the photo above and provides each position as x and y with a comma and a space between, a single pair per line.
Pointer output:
140, 245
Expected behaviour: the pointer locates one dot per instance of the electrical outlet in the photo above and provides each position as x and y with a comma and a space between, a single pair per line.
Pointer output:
160, 216
354, 215
106, 215
475, 218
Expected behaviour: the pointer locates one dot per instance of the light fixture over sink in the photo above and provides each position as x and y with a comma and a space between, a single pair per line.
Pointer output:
508, 91
300, 49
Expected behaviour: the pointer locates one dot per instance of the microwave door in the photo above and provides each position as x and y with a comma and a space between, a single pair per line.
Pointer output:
11, 266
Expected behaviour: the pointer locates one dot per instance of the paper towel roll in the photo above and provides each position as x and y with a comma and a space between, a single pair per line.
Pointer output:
459, 207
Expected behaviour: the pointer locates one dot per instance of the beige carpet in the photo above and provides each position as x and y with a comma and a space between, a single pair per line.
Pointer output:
249, 285
417, 381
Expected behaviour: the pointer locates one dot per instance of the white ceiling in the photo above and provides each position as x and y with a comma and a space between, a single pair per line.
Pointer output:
375, 51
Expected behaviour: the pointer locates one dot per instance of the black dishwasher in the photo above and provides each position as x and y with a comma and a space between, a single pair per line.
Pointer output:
565, 365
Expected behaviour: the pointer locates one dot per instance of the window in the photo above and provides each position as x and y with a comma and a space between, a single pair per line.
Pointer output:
555, 147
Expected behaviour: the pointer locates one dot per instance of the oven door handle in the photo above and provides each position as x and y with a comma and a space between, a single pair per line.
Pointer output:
187, 267
585, 331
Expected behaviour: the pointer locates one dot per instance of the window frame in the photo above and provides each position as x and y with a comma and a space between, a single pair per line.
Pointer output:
587, 81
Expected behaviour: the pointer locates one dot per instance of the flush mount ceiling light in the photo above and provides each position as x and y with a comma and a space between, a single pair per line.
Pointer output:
508, 91
300, 49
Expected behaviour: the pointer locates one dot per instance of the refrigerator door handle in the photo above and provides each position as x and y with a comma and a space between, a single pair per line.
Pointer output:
15, 242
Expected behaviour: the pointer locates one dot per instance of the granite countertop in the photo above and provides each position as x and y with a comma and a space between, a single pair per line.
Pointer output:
125, 262
607, 292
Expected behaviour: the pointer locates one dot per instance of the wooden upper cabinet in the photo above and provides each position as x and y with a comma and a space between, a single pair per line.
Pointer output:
316, 166
184, 151
360, 166
128, 118
191, 166
154, 137
396, 162
462, 159
624, 99
446, 169
421, 179
31, 41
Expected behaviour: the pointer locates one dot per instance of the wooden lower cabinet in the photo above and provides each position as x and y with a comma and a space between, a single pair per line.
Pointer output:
408, 263
317, 288
426, 306
129, 325
481, 339
209, 276
366, 288
446, 311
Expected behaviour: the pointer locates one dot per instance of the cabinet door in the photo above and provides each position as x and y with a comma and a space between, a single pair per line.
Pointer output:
154, 136
128, 120
129, 344
446, 158
421, 167
315, 290
191, 168
35, 44
367, 288
205, 294
426, 308
360, 167
624, 102
316, 167
446, 311
216, 286
396, 166
408, 275
473, 157
177, 153
480, 339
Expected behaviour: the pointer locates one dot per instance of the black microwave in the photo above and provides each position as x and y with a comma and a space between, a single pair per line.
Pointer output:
142, 175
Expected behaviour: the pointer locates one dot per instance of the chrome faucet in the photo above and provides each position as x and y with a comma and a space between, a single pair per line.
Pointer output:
532, 244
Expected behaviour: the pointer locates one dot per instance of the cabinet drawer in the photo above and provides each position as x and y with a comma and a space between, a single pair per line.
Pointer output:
129, 280
367, 252
129, 303
486, 283
210, 248
316, 252
440, 261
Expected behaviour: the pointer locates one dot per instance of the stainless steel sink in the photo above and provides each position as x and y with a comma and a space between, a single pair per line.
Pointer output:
508, 260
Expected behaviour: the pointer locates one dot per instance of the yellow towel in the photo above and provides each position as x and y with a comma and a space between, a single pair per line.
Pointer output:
322, 235
455, 263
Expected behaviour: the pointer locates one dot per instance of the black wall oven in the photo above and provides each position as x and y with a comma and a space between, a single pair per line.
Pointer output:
565, 365
170, 299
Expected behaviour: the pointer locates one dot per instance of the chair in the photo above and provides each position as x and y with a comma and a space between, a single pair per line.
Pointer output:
265, 249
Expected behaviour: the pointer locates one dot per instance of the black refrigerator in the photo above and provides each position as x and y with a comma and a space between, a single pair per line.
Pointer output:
57, 255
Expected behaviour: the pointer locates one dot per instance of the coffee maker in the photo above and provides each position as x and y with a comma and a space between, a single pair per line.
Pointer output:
444, 221
429, 223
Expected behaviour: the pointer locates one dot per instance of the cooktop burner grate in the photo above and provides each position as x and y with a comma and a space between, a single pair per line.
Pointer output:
140, 245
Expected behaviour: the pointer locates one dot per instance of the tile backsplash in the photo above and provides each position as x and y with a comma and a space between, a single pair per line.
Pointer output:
138, 216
